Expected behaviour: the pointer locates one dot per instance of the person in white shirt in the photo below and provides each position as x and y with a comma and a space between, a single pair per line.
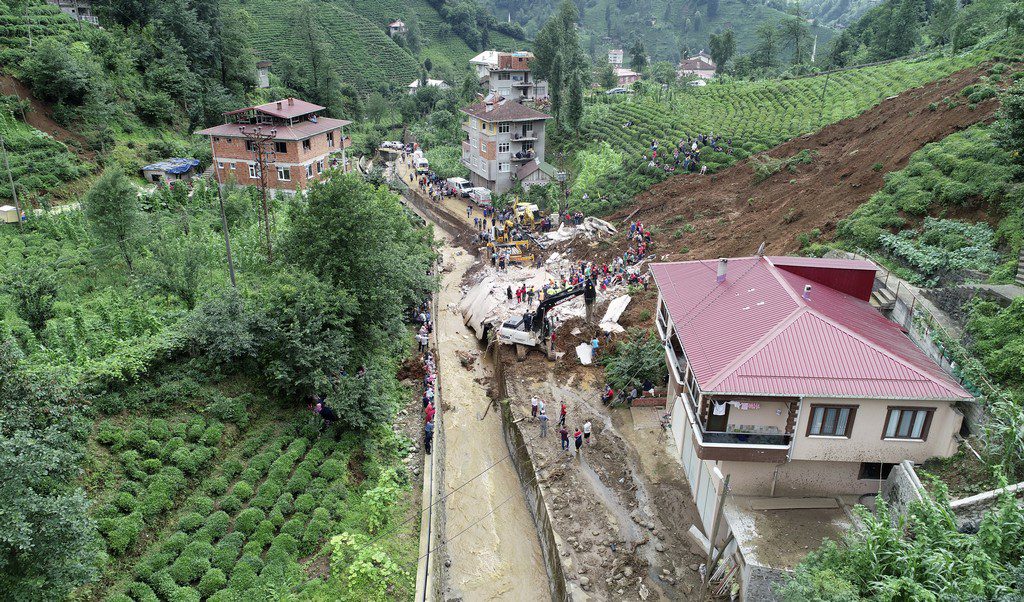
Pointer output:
534, 402
586, 432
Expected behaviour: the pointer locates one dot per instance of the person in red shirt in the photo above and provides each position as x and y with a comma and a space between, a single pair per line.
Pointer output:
430, 412
561, 416
578, 435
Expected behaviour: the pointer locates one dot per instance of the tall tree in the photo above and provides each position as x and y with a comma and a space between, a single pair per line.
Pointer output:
235, 53
574, 106
559, 57
722, 46
555, 87
112, 208
413, 37
1010, 126
637, 56
48, 545
941, 24
794, 32
765, 55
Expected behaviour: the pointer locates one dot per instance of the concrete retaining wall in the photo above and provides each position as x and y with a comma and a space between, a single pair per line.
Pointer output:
550, 542
902, 488
970, 510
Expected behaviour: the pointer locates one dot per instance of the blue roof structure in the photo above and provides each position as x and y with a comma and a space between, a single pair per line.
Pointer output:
177, 165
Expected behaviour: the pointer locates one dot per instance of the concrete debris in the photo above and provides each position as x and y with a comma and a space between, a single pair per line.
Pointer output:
591, 227
610, 321
586, 353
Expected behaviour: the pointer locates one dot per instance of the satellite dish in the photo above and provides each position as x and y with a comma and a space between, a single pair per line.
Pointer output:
760, 250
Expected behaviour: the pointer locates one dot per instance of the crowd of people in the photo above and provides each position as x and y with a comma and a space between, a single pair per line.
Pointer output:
423, 318
539, 414
686, 154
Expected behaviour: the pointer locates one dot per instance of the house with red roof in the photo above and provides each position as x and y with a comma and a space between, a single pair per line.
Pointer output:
303, 145
784, 376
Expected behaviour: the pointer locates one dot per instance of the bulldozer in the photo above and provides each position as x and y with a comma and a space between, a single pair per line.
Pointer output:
519, 250
527, 214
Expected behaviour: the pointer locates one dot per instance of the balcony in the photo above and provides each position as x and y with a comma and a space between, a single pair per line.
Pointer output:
521, 156
712, 443
517, 137
522, 84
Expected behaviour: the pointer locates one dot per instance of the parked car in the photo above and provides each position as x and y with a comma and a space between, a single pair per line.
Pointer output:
458, 186
480, 195
617, 91
392, 145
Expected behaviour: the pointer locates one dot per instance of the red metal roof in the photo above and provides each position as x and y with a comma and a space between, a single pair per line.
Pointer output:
285, 108
299, 131
755, 334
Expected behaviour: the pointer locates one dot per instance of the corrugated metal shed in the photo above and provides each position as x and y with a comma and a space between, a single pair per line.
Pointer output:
755, 333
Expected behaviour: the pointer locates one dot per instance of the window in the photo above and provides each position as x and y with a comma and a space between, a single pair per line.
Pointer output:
503, 167
319, 166
284, 174
216, 139
306, 145
249, 145
254, 171
504, 76
528, 129
309, 170
908, 423
503, 147
232, 165
504, 127
220, 165
281, 147
831, 421
483, 146
330, 139
473, 143
527, 146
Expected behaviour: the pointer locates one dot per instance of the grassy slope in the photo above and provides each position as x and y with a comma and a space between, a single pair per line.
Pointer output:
363, 53
832, 12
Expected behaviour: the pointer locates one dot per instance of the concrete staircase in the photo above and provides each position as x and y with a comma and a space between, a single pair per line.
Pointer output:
1020, 268
883, 298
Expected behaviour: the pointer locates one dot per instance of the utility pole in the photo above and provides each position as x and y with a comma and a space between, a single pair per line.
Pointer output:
714, 535
261, 144
10, 178
223, 217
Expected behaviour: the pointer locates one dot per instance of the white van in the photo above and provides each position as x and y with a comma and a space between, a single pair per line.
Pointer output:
480, 195
459, 186
422, 166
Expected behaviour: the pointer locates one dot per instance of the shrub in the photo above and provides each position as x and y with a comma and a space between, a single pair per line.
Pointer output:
187, 461
276, 517
227, 550
191, 565
243, 577
230, 504
172, 446
125, 502
159, 429
248, 520
195, 429
296, 526
175, 543
109, 434
232, 468
190, 522
200, 503
305, 503
332, 470
264, 533
217, 523
152, 448
242, 491
215, 485
212, 581
125, 533
211, 436
185, 594
163, 584
299, 481
142, 592
285, 503
157, 498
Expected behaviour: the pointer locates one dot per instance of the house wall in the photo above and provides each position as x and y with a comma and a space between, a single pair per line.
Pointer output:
487, 173
866, 443
769, 414
296, 158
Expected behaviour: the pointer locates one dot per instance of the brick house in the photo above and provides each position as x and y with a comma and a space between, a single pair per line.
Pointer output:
626, 77
700, 65
305, 144
783, 376
508, 74
505, 138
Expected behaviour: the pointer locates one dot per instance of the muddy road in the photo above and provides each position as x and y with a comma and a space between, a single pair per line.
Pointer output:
493, 551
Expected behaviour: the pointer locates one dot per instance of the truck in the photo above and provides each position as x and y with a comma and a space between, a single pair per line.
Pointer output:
480, 195
459, 186
533, 329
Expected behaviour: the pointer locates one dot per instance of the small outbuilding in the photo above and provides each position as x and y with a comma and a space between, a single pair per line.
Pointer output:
8, 214
177, 168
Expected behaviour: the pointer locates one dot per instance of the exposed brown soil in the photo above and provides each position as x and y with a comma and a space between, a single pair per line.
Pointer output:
39, 116
733, 213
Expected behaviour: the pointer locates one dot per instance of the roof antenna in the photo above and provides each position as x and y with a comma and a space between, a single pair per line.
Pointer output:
760, 250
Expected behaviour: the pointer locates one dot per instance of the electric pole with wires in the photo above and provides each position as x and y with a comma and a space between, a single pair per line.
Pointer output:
261, 144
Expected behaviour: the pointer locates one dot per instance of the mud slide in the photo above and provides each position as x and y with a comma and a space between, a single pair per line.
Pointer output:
38, 116
733, 212
493, 549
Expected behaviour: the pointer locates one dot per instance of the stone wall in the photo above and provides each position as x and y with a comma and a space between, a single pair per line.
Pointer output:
970, 510
902, 488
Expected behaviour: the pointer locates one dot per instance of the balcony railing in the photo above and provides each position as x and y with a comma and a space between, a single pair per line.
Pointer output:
521, 156
745, 438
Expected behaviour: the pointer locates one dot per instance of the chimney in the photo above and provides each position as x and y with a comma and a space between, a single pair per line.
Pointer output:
723, 263
291, 101
807, 292
279, 104
488, 107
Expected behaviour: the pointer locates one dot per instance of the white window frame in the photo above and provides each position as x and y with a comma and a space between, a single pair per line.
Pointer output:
503, 168
309, 170
254, 171
527, 128
504, 148
320, 166
284, 174
504, 127
232, 166
220, 165
330, 139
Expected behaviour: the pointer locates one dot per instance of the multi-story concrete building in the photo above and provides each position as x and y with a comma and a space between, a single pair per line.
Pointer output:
783, 376
508, 74
304, 145
80, 10
505, 144
700, 65
615, 57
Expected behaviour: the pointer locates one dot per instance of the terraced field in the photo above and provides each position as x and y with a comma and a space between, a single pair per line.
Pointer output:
362, 52
754, 116
223, 510
43, 20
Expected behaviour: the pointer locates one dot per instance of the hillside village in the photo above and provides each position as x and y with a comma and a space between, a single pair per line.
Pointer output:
476, 300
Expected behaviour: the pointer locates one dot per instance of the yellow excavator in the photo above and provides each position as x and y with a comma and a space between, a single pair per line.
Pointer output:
518, 250
527, 214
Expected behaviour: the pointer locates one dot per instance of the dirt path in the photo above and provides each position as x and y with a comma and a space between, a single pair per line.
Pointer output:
494, 552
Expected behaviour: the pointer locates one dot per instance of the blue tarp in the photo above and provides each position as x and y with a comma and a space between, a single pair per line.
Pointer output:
177, 165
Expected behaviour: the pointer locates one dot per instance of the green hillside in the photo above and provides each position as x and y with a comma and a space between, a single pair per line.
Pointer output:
754, 115
665, 26
835, 12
